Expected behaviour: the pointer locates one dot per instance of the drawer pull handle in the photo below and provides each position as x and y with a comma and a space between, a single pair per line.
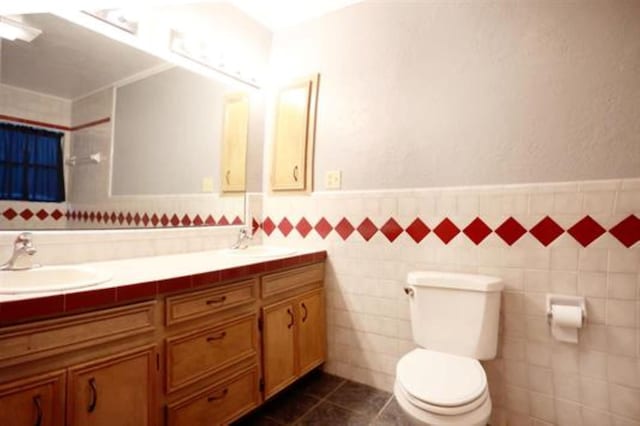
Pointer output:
295, 173
221, 395
38, 403
226, 176
218, 337
94, 395
306, 312
217, 300
291, 316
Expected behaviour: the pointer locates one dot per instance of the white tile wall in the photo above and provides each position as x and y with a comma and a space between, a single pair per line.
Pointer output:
535, 380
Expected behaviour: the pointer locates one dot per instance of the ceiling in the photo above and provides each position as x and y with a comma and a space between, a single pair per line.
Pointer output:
68, 61
278, 14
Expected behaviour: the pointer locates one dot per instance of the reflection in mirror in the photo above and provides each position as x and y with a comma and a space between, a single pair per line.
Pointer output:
145, 143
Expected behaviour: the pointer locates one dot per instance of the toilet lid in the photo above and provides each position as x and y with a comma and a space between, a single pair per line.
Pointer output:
441, 379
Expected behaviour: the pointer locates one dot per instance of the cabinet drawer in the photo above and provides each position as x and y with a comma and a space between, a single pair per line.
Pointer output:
218, 404
198, 354
46, 338
289, 280
203, 303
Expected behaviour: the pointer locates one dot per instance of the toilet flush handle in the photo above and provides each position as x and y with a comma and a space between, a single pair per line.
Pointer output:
408, 291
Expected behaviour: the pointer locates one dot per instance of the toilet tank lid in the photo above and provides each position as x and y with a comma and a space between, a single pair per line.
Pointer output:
473, 282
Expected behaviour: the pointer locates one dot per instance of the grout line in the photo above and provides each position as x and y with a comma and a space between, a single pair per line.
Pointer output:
320, 401
386, 404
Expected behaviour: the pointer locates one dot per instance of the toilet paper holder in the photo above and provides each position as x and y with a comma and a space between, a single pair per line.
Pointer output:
566, 300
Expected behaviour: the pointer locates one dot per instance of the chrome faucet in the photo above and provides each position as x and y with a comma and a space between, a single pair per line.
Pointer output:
23, 250
243, 240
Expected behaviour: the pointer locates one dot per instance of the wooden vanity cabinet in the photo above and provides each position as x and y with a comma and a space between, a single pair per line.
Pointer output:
35, 401
204, 356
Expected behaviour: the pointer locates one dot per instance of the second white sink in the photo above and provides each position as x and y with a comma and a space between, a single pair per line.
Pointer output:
50, 278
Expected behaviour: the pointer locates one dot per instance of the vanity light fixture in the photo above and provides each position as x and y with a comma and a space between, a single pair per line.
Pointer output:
121, 18
199, 51
14, 30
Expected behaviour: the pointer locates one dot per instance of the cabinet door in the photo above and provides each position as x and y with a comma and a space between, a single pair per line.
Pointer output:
311, 330
278, 346
117, 390
295, 129
33, 401
234, 142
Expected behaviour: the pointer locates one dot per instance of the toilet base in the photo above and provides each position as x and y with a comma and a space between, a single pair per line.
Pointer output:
478, 417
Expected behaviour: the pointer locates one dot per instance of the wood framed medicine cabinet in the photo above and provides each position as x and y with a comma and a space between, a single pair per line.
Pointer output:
293, 146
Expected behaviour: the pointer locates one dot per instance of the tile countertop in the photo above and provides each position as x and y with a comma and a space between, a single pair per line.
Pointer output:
145, 277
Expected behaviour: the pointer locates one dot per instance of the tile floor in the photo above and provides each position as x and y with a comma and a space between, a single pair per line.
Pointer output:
323, 399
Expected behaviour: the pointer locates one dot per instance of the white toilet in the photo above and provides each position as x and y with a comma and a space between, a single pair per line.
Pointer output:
454, 318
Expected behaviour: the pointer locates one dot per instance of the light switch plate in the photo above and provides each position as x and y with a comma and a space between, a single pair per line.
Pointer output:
207, 184
333, 179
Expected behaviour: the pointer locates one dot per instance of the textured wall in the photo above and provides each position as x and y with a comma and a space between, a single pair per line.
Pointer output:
419, 94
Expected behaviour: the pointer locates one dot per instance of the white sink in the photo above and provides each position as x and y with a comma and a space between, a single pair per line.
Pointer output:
261, 251
49, 278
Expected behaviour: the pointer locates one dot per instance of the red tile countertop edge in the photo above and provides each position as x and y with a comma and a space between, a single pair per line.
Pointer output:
47, 306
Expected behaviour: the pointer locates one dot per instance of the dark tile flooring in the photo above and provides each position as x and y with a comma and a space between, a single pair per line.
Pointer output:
322, 399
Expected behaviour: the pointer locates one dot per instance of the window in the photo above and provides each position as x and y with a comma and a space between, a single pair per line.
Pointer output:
31, 164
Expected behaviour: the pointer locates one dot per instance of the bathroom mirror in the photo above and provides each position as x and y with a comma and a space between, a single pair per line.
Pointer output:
142, 139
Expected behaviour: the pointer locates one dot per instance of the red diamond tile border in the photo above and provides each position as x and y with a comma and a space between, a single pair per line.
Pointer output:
546, 231
446, 230
367, 229
627, 231
477, 230
417, 230
42, 214
323, 228
586, 231
268, 226
344, 228
255, 225
285, 226
9, 213
303, 227
510, 231
26, 214
391, 229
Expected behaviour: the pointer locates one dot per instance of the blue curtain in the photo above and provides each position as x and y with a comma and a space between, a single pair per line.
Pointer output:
31, 164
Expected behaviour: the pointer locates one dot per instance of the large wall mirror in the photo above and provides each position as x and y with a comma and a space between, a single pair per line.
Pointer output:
142, 142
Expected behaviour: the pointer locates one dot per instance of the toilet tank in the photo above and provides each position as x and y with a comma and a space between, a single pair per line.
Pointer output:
455, 313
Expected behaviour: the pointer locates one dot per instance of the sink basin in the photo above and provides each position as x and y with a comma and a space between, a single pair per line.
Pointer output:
49, 278
261, 251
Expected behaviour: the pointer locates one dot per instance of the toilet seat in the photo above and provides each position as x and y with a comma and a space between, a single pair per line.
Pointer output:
441, 383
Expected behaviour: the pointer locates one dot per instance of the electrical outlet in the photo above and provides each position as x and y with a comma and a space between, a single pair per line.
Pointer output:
333, 179
207, 184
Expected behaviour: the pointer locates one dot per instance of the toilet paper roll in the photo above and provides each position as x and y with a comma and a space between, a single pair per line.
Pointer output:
565, 322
